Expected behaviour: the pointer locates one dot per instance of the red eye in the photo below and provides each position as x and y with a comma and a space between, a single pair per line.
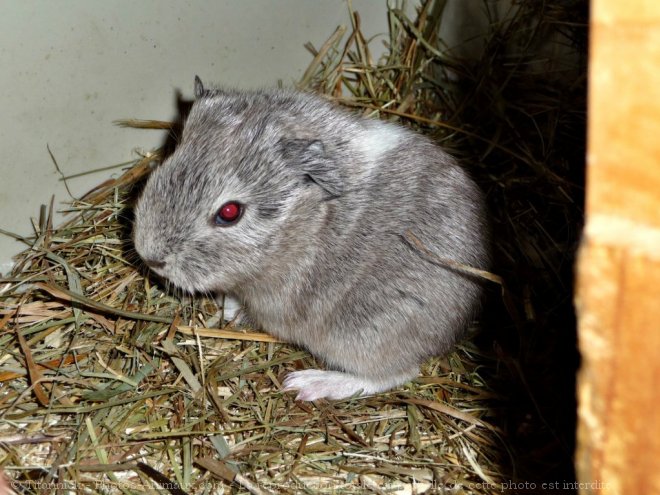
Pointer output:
228, 213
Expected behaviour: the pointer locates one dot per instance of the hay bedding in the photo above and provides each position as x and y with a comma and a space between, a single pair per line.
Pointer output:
109, 383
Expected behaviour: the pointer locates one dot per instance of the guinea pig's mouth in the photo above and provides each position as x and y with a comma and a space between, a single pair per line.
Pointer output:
182, 281
168, 282
178, 270
163, 269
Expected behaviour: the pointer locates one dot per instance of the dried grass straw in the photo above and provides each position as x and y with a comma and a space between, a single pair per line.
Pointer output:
110, 384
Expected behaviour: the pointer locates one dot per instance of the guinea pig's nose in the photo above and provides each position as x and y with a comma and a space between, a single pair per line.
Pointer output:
154, 264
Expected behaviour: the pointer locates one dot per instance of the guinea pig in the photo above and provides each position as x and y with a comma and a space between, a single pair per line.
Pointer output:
298, 208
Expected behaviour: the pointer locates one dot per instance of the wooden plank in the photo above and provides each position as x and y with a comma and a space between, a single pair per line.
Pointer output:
618, 276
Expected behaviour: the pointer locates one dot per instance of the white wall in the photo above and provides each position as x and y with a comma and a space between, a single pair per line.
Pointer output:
71, 67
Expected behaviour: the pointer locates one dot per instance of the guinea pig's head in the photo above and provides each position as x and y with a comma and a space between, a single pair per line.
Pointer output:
240, 188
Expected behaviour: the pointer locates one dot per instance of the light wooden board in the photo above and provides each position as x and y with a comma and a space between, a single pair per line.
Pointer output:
618, 275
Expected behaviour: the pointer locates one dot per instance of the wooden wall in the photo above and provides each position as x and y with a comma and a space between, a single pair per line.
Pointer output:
618, 274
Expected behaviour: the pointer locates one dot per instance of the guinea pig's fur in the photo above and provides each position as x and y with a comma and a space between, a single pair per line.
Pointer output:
317, 256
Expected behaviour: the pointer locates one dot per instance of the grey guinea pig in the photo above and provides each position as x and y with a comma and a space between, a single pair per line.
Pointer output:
298, 209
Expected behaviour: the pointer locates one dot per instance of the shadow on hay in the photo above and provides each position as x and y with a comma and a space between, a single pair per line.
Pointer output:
527, 151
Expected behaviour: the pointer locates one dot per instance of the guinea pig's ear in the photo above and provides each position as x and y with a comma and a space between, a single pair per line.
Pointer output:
199, 88
310, 156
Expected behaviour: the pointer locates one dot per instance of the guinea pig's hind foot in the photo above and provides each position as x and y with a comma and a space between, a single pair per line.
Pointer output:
319, 384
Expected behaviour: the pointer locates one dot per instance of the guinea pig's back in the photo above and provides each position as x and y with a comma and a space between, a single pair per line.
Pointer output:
414, 185
386, 291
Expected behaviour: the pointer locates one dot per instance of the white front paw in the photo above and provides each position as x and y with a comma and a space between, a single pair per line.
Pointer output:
230, 308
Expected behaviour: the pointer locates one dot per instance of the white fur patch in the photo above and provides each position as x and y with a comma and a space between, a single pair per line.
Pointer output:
378, 139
